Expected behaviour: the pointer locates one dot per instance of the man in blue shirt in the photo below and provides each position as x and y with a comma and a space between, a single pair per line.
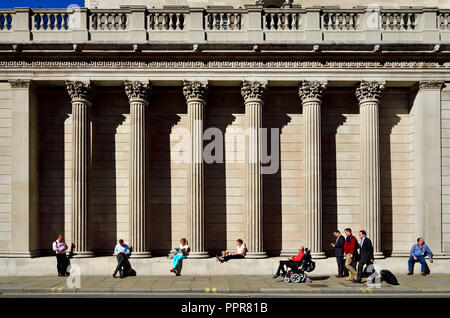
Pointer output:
418, 253
121, 251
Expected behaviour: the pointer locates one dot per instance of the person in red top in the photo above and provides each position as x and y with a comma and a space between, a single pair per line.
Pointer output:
290, 262
350, 251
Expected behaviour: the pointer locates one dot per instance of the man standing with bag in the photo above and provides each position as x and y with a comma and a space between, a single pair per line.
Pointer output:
366, 252
121, 251
60, 247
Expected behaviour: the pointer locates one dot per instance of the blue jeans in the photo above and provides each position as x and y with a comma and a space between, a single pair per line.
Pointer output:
176, 259
422, 261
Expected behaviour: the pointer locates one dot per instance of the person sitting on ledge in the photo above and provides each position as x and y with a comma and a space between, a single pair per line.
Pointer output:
241, 249
291, 262
183, 252
418, 253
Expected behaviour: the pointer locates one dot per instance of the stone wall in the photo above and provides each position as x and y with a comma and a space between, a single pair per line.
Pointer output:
5, 166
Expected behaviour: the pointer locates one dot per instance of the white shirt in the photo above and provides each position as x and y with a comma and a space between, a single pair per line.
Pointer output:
241, 249
184, 247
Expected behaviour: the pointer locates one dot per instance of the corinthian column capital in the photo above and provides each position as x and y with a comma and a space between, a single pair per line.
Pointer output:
195, 91
369, 92
431, 85
137, 91
253, 91
79, 91
312, 91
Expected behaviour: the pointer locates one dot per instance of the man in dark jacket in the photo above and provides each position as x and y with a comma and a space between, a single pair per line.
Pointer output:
338, 246
366, 254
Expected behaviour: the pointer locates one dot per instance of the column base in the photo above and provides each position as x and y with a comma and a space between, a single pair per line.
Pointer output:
84, 254
141, 254
198, 255
21, 254
318, 255
256, 255
378, 255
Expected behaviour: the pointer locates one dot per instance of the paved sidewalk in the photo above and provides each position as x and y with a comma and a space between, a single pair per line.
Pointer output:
220, 286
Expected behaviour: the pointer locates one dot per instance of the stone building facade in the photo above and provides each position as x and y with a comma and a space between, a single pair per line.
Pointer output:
97, 104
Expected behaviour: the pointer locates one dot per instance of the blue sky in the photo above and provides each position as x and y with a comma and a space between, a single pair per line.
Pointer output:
5, 4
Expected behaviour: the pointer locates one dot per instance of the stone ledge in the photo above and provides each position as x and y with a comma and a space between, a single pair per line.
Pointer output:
159, 266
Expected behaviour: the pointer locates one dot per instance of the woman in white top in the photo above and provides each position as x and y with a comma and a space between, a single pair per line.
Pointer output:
183, 251
241, 249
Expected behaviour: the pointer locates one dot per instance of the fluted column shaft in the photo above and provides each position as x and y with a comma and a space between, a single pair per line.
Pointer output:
138, 95
369, 98
311, 94
253, 93
195, 93
81, 163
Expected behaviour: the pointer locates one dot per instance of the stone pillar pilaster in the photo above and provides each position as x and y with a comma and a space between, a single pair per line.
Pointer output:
253, 94
426, 110
368, 94
311, 94
196, 94
81, 164
138, 95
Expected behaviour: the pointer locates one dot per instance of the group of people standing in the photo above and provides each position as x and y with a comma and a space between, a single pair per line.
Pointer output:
351, 262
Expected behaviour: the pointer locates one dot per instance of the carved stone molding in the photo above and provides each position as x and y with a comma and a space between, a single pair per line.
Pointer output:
431, 85
19, 83
195, 90
253, 91
214, 64
369, 91
312, 91
137, 90
79, 91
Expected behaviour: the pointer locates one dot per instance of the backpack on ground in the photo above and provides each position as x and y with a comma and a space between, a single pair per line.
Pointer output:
388, 277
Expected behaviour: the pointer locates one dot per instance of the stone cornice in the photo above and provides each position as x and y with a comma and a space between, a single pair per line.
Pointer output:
312, 91
369, 92
79, 91
431, 85
137, 91
195, 90
253, 91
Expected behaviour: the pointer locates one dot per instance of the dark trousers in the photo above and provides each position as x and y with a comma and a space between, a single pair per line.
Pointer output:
361, 265
341, 266
120, 264
231, 256
288, 264
61, 263
412, 261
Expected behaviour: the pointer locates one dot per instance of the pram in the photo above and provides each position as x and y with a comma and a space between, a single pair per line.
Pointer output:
297, 271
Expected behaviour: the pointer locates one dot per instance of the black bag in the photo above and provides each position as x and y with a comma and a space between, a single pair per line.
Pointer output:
388, 277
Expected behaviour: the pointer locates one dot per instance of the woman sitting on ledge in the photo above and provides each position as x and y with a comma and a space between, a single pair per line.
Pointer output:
183, 252
241, 249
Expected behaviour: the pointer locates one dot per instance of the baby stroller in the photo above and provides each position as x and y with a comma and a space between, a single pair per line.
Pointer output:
297, 273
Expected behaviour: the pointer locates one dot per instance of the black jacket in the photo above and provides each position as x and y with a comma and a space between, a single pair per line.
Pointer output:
339, 246
366, 251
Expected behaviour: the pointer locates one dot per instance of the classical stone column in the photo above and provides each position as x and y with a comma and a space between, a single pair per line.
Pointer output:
195, 94
138, 95
253, 94
311, 94
81, 163
368, 94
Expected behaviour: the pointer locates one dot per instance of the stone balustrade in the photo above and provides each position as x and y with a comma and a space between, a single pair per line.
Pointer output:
250, 24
